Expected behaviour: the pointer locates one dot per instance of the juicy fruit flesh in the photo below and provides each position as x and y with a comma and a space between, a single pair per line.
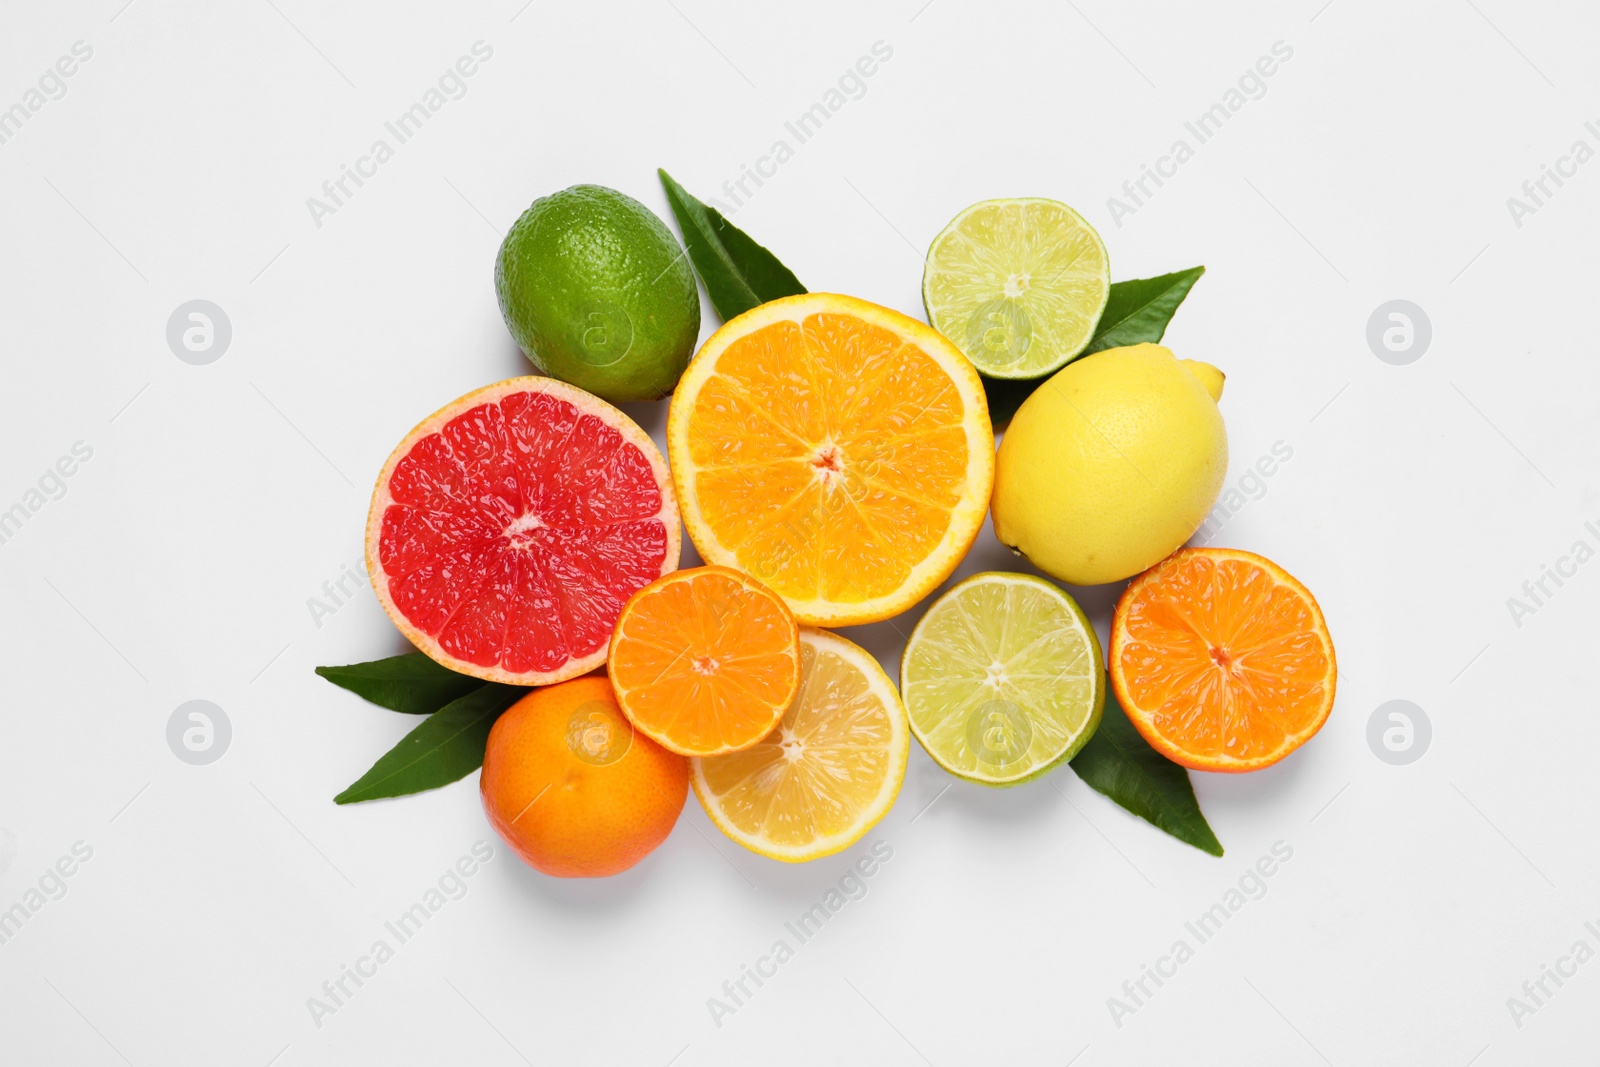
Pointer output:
827, 761
705, 662
1002, 678
1224, 660
516, 532
833, 483
1018, 285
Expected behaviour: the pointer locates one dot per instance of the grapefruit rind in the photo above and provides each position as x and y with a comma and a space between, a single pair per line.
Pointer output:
1141, 718
966, 517
586, 403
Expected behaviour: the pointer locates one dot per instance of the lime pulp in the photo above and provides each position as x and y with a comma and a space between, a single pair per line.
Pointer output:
1002, 679
1017, 285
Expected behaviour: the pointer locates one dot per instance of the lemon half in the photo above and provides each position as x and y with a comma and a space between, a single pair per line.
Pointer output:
828, 773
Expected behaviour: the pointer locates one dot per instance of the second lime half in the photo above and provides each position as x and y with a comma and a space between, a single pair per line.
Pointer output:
1003, 679
1018, 285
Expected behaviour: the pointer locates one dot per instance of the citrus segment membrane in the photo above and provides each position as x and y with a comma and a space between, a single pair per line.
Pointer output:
1222, 659
827, 774
839, 452
1018, 285
508, 529
1002, 678
705, 660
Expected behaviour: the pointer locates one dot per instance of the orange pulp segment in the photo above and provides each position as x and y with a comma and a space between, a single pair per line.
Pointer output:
705, 660
1222, 660
839, 451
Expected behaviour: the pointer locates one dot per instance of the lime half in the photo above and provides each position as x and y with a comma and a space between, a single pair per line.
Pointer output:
1018, 285
1002, 679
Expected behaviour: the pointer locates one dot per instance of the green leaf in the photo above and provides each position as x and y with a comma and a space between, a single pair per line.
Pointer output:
411, 683
738, 273
1006, 396
1137, 312
1119, 763
445, 747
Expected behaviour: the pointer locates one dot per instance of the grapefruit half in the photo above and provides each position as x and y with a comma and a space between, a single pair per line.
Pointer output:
509, 528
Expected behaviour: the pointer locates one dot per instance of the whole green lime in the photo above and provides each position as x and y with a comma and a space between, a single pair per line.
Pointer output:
598, 293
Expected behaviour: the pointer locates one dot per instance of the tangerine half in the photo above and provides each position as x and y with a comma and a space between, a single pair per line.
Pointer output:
1222, 659
705, 660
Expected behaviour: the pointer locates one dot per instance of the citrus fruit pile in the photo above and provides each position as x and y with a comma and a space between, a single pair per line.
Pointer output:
833, 462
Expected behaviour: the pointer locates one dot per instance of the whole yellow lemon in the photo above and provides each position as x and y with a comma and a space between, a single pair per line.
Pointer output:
1111, 464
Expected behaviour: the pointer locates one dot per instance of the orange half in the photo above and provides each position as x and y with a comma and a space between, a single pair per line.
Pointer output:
839, 451
1222, 660
705, 661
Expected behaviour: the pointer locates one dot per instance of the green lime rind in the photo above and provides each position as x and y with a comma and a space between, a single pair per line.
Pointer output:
598, 293
1018, 285
1003, 679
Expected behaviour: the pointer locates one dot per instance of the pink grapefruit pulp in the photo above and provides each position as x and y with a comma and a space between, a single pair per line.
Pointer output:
509, 528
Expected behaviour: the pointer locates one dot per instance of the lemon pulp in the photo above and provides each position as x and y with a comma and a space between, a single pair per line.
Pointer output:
829, 771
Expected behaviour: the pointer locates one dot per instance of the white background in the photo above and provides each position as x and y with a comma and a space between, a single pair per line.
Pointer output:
219, 498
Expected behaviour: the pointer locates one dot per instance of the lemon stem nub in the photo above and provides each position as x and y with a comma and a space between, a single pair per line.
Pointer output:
1209, 376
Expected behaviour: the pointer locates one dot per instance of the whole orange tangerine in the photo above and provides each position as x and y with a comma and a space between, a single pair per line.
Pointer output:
573, 788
